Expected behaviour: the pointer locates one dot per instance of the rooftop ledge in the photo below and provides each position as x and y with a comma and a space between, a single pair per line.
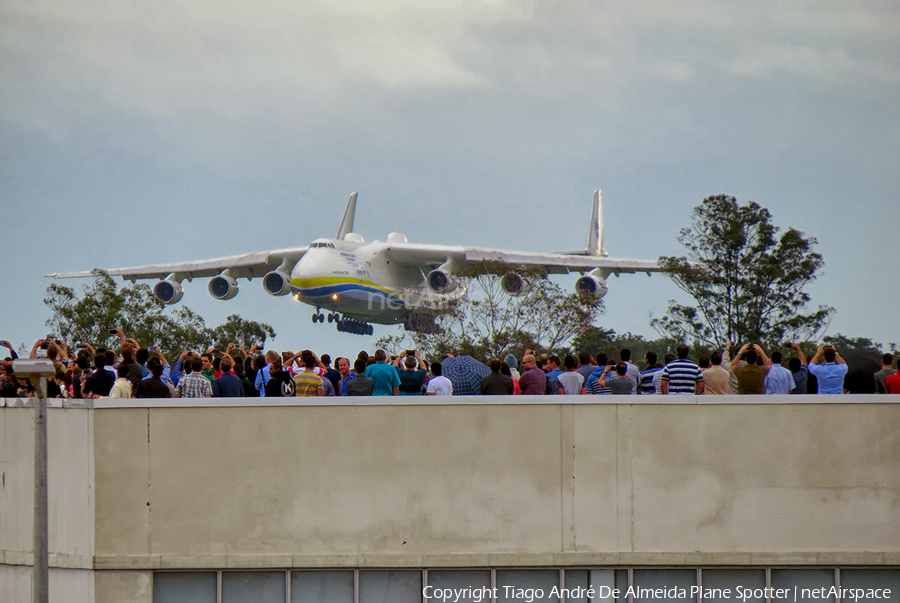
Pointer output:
453, 401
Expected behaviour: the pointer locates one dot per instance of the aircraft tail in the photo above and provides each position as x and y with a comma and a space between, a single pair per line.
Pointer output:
347, 221
594, 244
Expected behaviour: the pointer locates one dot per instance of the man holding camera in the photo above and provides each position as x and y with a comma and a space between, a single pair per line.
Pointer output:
831, 373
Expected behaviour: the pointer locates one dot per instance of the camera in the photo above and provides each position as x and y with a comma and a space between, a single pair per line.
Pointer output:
410, 352
153, 348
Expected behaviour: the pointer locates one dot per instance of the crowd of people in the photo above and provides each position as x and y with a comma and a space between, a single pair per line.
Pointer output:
134, 371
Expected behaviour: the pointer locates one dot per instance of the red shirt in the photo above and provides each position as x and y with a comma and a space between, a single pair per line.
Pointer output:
893, 383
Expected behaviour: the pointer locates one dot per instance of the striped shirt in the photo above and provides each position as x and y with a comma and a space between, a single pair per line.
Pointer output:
682, 375
647, 375
592, 385
308, 383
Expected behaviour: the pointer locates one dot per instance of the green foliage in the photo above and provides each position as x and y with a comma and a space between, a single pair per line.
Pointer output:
747, 282
242, 332
489, 323
596, 339
136, 311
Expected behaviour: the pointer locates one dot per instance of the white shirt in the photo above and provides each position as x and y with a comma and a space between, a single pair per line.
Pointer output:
571, 382
439, 386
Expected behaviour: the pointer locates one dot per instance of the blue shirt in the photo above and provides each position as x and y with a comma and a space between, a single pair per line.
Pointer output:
779, 380
647, 375
384, 378
228, 386
350, 376
551, 377
830, 376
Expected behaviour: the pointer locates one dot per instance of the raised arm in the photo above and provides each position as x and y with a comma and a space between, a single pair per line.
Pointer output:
800, 353
737, 357
762, 355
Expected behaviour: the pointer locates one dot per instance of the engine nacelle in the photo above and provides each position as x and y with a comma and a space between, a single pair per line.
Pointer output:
277, 283
168, 292
440, 281
591, 285
223, 287
514, 285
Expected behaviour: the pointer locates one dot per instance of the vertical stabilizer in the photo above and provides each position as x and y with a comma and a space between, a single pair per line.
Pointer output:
347, 221
595, 231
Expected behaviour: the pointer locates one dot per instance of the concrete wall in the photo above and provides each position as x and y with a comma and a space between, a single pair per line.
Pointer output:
472, 484
70, 477
484, 484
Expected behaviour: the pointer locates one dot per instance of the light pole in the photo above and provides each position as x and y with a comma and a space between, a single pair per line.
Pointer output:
37, 372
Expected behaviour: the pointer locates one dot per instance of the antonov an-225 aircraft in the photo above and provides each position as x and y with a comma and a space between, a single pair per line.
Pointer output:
386, 282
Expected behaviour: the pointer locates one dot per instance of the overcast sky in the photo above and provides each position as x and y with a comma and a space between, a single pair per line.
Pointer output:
137, 132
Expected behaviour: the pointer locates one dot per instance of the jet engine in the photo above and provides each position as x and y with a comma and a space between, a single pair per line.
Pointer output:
277, 283
223, 287
591, 284
440, 281
514, 285
168, 292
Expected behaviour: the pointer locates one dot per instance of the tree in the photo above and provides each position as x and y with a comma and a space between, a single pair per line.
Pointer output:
242, 332
747, 281
136, 311
489, 323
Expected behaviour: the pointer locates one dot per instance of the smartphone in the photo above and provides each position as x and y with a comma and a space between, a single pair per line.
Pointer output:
410, 352
113, 331
153, 348
81, 346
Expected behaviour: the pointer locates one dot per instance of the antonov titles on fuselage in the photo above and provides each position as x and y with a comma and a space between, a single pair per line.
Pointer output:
386, 282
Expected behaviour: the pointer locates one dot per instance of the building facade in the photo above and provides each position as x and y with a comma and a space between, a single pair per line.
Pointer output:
476, 499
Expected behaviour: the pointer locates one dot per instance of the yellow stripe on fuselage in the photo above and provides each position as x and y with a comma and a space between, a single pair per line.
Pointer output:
324, 281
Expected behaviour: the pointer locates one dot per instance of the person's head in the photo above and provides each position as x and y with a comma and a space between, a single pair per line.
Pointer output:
437, 369
259, 362
360, 366
553, 362
829, 353
496, 365
197, 364
216, 364
122, 371
410, 362
504, 369
716, 358
52, 352
142, 356
326, 360
887, 360
668, 358
344, 366
380, 355
584, 358
205, 361
275, 366
308, 358
110, 357
777, 357
794, 364
100, 361
682, 351
650, 358
363, 354
621, 369
127, 352
703, 362
569, 362
271, 355
751, 356
529, 362
225, 364
625, 355
602, 359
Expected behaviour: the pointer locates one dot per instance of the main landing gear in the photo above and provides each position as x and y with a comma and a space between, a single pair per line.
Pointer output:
345, 325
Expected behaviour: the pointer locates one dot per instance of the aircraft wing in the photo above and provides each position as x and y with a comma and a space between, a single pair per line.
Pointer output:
248, 265
554, 263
